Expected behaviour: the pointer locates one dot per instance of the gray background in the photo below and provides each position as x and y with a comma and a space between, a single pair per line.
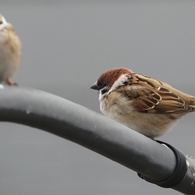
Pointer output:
66, 45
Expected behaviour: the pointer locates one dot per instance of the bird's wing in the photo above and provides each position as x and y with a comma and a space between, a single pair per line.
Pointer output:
149, 95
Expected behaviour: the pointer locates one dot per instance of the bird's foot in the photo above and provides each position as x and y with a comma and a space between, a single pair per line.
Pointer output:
8, 82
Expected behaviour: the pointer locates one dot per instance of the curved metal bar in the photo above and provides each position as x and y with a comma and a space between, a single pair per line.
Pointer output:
71, 121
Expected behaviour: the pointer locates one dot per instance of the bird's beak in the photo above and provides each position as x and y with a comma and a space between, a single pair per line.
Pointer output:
95, 86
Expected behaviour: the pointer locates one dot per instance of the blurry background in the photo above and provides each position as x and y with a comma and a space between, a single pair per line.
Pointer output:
66, 45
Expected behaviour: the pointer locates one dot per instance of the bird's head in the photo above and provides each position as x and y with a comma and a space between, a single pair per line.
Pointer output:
111, 79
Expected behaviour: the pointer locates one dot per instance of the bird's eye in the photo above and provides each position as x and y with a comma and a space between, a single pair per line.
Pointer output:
1, 22
104, 90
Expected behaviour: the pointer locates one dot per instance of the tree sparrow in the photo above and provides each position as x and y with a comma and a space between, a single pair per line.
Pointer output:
9, 51
142, 103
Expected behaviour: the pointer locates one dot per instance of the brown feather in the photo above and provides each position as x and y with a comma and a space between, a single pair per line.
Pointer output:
149, 95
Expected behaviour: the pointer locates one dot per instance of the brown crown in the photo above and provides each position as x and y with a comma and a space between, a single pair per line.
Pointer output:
110, 76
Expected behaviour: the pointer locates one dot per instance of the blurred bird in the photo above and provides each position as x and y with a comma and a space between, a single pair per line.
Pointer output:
142, 103
9, 52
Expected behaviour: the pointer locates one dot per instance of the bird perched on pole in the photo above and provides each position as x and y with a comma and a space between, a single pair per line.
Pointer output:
9, 51
142, 103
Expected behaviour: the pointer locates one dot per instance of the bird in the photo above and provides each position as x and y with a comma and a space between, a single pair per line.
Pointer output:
142, 103
10, 46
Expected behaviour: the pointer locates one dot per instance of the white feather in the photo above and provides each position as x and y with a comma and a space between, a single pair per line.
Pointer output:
119, 82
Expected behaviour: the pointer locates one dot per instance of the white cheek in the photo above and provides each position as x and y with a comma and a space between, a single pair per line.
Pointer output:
120, 81
4, 24
102, 107
101, 97
103, 93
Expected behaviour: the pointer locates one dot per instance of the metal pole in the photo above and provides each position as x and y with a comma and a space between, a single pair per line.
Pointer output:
92, 130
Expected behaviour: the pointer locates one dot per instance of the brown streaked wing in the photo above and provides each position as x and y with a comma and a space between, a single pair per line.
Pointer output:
146, 81
157, 100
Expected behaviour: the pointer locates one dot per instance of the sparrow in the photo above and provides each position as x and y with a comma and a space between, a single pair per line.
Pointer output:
144, 104
9, 51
